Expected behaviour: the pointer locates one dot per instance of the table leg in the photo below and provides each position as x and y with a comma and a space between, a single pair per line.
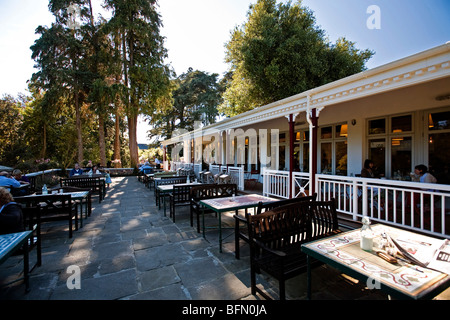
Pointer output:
203, 222
164, 199
26, 266
308, 277
220, 232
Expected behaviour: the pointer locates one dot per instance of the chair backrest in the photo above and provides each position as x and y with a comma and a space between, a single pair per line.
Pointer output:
323, 218
294, 224
181, 193
171, 180
64, 201
148, 170
282, 227
81, 182
208, 191
272, 205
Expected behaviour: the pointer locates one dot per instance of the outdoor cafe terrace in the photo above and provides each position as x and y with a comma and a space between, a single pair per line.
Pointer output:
131, 248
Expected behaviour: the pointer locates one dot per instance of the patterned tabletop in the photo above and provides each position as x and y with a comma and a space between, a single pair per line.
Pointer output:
344, 249
169, 187
9, 241
228, 203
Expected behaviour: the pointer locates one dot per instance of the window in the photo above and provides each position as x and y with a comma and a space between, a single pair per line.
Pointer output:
390, 145
438, 141
301, 151
333, 149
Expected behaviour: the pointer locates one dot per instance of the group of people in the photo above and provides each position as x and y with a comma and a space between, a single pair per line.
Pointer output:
420, 174
13, 182
77, 171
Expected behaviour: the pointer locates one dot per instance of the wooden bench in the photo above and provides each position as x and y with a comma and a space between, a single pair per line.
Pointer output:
95, 184
208, 191
276, 237
242, 232
165, 181
180, 196
54, 207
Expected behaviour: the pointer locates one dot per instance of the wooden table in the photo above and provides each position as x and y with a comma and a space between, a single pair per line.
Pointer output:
400, 280
220, 205
82, 196
167, 188
10, 243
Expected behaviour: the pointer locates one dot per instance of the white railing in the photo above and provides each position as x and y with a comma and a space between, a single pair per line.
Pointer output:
237, 176
421, 207
197, 169
276, 183
300, 184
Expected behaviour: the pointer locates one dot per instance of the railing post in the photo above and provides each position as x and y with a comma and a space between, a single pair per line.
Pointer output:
365, 200
355, 200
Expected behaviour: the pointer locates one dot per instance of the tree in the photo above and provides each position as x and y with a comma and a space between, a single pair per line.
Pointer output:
195, 97
11, 118
145, 77
280, 52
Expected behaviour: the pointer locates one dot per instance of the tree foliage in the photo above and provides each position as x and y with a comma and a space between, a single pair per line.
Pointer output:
279, 52
196, 96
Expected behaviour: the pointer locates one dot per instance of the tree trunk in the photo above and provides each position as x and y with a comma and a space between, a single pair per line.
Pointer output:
78, 125
101, 138
132, 133
117, 141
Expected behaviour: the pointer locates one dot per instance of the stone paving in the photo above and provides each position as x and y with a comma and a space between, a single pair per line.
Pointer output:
127, 249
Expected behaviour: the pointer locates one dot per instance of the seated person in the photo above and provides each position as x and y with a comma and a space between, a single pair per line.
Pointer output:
7, 182
17, 174
146, 168
369, 171
76, 171
24, 181
11, 218
421, 171
94, 170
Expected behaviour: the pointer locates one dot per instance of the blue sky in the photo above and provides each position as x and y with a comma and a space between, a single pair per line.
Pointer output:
196, 31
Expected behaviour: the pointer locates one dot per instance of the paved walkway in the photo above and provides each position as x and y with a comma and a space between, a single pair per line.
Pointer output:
129, 250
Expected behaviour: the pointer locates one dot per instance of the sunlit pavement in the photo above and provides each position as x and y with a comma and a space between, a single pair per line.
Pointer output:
127, 249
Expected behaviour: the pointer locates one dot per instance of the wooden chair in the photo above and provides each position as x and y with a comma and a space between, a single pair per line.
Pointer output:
276, 237
166, 181
207, 191
55, 207
180, 196
95, 184
242, 232
32, 222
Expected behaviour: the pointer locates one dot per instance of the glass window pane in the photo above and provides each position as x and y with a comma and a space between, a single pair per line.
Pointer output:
306, 135
341, 131
438, 155
401, 157
326, 132
439, 121
325, 159
377, 153
305, 165
402, 124
341, 158
377, 126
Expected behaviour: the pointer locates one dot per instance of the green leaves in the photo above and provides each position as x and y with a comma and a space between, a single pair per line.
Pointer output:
280, 52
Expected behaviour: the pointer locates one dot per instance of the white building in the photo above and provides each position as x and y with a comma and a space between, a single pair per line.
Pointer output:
397, 115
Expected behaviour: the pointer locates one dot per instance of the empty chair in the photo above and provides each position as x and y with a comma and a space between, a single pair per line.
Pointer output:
242, 232
276, 237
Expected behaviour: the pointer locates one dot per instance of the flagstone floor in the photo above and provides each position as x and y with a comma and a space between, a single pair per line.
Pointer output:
128, 250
